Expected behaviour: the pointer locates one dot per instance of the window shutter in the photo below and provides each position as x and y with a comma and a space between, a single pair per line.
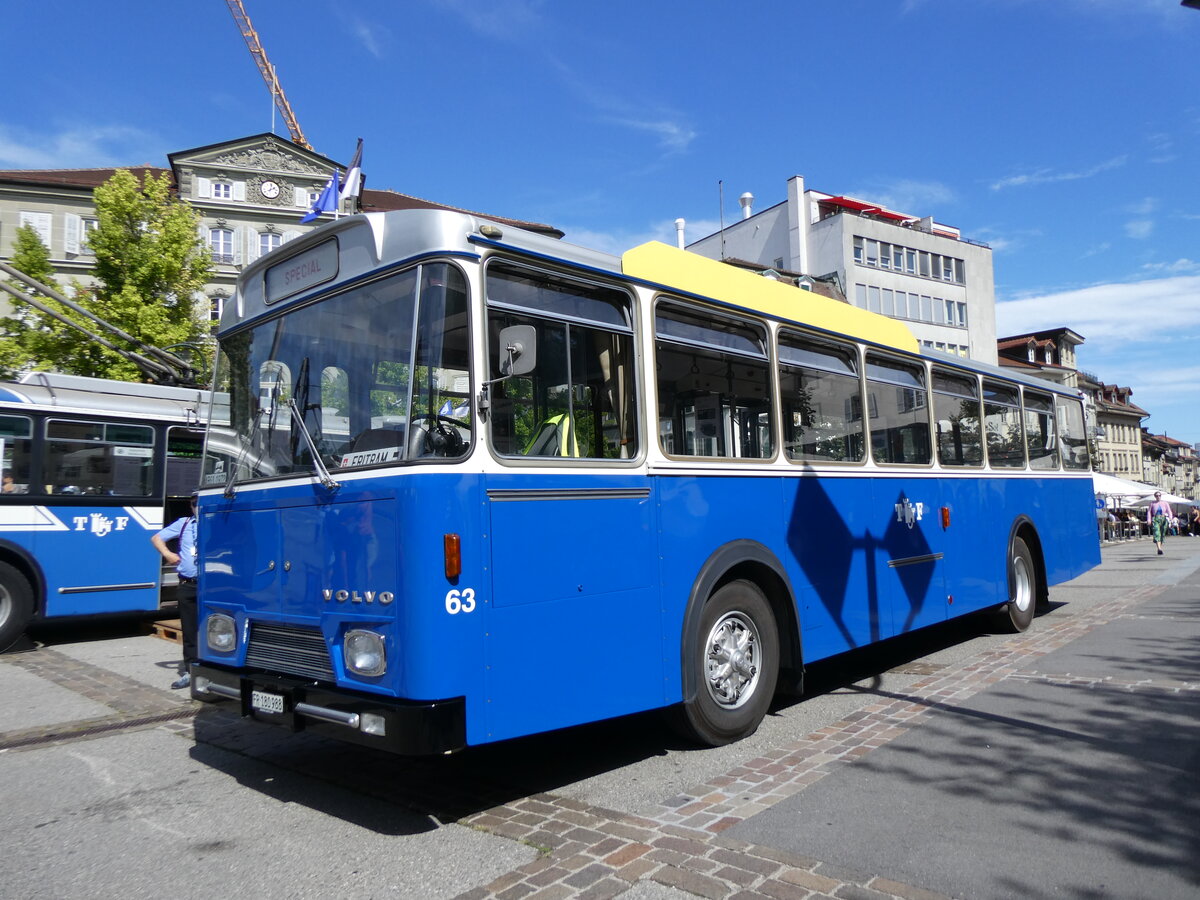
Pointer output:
291, 235
251, 245
41, 224
301, 197
239, 238
203, 187
239, 190
74, 226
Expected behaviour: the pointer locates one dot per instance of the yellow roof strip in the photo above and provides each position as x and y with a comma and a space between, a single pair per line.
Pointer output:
695, 274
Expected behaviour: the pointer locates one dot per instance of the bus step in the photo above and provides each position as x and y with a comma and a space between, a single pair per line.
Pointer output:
168, 630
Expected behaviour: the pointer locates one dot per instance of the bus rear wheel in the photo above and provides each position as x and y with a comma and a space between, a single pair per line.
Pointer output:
16, 605
736, 662
1022, 586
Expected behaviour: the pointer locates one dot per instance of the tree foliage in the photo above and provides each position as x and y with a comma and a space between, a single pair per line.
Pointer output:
150, 266
21, 333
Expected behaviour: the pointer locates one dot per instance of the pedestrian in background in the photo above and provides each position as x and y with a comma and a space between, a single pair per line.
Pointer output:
1159, 515
185, 562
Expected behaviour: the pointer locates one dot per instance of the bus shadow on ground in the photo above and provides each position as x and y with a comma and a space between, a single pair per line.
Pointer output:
403, 795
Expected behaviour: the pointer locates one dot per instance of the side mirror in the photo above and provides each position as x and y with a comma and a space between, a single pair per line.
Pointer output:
517, 350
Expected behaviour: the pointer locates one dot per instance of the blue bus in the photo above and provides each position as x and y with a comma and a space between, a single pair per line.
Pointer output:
478, 483
91, 468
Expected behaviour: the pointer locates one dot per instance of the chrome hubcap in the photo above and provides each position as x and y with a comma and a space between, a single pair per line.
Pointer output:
1022, 584
732, 664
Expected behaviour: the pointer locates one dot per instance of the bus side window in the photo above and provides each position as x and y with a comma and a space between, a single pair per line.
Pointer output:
16, 448
579, 400
714, 385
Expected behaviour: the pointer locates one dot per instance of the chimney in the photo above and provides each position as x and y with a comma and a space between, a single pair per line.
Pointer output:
679, 223
747, 201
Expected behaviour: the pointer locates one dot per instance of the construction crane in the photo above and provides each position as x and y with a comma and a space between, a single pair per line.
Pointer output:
268, 71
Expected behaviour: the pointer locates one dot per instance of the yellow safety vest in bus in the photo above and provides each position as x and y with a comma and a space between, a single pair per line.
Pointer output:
554, 437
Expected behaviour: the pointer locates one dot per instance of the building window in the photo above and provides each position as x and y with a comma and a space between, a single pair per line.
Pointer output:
222, 190
88, 226
268, 241
220, 242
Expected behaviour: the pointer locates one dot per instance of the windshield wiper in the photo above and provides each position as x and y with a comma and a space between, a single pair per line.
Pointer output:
241, 457
322, 472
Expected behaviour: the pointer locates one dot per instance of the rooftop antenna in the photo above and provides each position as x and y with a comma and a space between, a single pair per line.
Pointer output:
721, 213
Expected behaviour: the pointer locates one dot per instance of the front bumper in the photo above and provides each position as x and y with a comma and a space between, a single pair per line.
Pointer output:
405, 727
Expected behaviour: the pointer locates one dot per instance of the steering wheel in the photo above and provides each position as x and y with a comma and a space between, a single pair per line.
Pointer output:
441, 437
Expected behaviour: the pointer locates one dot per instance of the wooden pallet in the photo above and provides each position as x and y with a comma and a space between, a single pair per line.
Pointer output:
168, 630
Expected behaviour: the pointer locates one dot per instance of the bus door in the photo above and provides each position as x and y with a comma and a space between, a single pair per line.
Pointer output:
910, 554
908, 558
185, 446
574, 632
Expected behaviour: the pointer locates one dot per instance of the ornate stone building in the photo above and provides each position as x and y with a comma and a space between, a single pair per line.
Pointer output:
250, 192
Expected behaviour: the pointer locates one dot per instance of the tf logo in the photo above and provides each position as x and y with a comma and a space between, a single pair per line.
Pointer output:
909, 513
100, 524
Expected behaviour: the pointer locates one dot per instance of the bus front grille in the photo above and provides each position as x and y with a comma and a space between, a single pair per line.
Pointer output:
289, 650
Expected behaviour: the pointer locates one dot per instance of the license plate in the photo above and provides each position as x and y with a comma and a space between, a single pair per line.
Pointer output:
265, 702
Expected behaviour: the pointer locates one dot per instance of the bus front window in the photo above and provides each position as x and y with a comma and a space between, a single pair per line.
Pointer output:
376, 374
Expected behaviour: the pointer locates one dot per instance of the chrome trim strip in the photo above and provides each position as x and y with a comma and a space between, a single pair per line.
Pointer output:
336, 716
220, 690
107, 587
501, 495
914, 560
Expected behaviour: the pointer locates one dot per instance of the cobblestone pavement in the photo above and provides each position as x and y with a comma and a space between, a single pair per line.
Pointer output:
593, 852
134, 705
598, 853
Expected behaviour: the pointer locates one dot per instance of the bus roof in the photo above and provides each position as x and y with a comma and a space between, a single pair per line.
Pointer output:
100, 395
680, 270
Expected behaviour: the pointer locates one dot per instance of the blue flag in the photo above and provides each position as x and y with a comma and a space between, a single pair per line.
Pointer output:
327, 202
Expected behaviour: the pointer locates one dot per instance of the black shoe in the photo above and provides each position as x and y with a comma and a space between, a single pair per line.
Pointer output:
185, 680
1160, 553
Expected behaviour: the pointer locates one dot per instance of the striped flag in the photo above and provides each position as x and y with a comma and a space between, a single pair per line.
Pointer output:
354, 176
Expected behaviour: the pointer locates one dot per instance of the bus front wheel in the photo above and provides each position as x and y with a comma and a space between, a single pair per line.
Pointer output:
16, 605
737, 664
1022, 586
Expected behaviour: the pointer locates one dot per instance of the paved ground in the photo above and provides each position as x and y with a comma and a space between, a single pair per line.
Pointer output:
1062, 762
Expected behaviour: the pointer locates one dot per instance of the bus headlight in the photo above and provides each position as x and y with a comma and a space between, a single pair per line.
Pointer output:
221, 633
364, 653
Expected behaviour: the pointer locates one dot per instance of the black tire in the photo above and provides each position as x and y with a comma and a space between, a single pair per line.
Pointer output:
16, 605
1022, 586
736, 662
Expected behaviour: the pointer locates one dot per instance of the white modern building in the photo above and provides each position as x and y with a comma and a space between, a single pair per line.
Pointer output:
915, 269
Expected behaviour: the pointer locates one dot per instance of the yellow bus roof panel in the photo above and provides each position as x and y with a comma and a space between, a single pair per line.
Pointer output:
694, 274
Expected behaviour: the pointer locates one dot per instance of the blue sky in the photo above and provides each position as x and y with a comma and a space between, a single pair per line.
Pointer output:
1064, 133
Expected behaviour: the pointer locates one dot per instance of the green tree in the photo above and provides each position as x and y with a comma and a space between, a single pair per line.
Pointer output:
20, 333
150, 266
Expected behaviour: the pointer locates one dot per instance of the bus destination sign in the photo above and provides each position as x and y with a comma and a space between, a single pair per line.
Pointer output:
314, 266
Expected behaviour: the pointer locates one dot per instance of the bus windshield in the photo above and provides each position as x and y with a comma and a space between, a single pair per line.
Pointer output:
374, 375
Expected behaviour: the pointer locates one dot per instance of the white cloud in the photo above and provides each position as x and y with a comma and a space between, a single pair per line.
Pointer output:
76, 147
673, 136
1155, 309
1144, 334
371, 36
1048, 176
506, 20
919, 198
1139, 229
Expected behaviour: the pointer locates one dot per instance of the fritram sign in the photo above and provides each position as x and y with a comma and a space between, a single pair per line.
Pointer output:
314, 266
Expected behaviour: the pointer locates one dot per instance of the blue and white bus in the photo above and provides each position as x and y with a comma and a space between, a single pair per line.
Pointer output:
91, 469
479, 483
